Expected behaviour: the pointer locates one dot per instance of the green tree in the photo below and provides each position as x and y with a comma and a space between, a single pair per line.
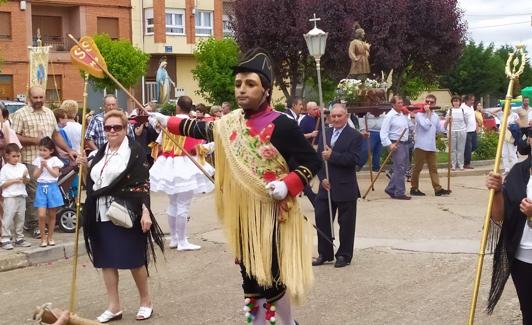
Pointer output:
213, 72
124, 61
477, 72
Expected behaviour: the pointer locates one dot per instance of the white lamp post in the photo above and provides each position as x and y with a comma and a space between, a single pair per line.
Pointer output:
316, 40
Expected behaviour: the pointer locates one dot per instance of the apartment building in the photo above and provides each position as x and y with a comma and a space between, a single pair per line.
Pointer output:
19, 22
171, 29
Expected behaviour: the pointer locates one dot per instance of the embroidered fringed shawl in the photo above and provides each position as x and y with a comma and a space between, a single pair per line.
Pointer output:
245, 162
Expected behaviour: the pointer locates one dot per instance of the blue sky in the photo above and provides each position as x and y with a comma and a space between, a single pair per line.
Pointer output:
499, 21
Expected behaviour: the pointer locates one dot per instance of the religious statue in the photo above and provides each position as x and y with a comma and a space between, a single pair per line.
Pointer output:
359, 54
163, 82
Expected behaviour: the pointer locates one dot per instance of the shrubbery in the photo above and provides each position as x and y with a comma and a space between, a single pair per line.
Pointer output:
487, 146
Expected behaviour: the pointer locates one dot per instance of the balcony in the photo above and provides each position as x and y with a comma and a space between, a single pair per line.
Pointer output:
58, 43
53, 23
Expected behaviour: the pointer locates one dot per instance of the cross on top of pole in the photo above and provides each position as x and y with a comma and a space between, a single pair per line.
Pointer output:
315, 19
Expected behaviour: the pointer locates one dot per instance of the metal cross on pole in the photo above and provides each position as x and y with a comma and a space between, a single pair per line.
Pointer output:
316, 40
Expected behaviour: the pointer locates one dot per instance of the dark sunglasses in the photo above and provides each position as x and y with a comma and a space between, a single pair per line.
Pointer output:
117, 128
430, 102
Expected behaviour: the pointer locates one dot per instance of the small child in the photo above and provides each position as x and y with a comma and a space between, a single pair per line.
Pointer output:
13, 177
47, 196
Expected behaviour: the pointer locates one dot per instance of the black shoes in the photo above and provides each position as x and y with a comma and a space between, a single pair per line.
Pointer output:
320, 260
341, 262
416, 192
441, 192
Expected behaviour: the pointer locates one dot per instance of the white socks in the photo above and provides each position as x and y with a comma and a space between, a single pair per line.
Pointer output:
283, 310
182, 240
172, 224
260, 318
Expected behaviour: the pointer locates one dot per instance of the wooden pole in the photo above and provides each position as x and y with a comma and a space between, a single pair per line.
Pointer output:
370, 157
449, 139
73, 286
382, 167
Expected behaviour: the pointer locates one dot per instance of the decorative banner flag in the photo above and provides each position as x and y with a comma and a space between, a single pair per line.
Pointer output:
39, 65
88, 58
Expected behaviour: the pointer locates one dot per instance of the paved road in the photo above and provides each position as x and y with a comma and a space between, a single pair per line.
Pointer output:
414, 264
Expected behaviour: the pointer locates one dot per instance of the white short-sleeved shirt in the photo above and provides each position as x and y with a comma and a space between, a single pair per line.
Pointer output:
73, 131
52, 162
10, 171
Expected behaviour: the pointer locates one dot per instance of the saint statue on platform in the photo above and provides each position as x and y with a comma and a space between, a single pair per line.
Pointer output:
163, 82
359, 54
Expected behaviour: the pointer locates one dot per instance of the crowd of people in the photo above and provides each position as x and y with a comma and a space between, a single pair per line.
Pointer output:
264, 160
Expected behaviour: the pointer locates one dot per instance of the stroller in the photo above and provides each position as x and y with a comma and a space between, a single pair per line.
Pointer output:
66, 218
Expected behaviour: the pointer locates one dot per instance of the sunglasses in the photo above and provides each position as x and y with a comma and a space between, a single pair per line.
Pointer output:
116, 128
430, 102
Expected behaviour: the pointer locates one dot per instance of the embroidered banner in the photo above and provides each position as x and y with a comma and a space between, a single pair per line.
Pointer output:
38, 66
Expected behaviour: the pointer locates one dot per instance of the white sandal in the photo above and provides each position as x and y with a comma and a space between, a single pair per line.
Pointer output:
108, 316
144, 313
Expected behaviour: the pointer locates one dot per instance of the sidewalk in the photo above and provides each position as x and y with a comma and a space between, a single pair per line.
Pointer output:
35, 255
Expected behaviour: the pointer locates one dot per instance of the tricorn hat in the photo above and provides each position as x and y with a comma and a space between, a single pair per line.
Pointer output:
256, 61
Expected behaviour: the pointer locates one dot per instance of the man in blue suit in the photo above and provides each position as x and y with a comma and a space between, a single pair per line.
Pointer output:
341, 153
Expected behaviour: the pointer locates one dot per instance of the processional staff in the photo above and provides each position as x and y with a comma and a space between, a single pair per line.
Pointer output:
515, 66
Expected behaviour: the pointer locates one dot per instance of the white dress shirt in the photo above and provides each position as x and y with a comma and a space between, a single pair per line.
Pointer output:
426, 130
393, 125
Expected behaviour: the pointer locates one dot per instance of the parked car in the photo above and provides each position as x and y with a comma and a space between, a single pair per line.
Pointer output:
491, 121
12, 106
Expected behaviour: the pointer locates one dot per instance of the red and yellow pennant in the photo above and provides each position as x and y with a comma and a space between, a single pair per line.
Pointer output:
86, 55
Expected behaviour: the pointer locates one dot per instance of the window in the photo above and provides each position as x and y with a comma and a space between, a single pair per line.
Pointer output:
228, 28
109, 26
175, 21
6, 86
5, 25
203, 23
148, 21
53, 94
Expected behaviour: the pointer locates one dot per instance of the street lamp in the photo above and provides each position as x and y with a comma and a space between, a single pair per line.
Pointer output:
316, 40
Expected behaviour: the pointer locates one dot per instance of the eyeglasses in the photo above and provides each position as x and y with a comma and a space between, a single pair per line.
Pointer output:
116, 128
430, 102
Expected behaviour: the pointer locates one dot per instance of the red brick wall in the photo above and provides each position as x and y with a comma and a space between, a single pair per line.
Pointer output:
190, 22
218, 19
16, 48
123, 15
159, 23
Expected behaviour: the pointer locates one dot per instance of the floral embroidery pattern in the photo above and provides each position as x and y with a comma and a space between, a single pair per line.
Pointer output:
256, 151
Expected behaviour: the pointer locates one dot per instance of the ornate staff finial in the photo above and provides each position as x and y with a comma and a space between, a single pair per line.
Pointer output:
515, 65
314, 20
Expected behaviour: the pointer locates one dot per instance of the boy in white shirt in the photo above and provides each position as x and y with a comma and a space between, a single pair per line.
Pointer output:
13, 177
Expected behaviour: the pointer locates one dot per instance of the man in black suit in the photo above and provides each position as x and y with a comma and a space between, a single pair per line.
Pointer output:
341, 153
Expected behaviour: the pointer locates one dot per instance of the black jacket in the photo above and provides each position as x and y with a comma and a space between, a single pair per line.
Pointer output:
342, 165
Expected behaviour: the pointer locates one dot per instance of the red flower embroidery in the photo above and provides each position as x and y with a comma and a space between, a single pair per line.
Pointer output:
269, 176
252, 131
233, 136
266, 134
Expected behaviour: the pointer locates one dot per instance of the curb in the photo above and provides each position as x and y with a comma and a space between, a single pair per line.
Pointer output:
39, 255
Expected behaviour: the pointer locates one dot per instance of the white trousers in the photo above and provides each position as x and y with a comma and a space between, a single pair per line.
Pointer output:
14, 211
178, 208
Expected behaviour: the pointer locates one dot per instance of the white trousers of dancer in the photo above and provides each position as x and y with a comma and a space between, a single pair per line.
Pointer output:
178, 208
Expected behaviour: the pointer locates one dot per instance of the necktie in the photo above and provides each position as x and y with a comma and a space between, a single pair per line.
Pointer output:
336, 134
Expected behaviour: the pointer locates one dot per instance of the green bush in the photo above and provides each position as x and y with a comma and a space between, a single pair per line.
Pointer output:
487, 146
441, 143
